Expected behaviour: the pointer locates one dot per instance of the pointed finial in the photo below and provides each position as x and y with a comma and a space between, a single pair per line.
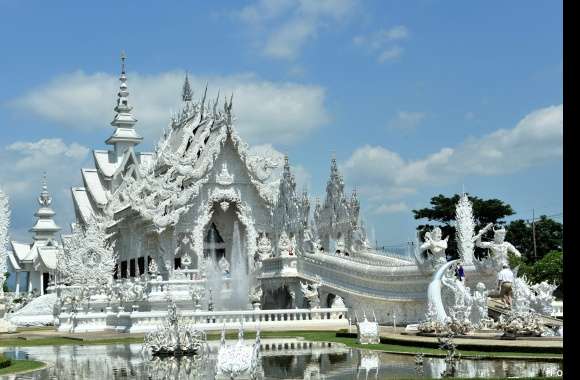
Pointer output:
44, 182
123, 57
186, 93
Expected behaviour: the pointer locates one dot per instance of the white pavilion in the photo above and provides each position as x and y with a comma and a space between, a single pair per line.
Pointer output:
36, 261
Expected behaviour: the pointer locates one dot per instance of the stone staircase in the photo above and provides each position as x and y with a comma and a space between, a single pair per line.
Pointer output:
497, 308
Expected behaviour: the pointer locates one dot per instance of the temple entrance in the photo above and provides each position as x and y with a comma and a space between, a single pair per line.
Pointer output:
213, 243
221, 239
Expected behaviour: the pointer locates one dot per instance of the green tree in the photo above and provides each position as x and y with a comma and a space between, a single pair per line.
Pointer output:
550, 268
549, 237
442, 210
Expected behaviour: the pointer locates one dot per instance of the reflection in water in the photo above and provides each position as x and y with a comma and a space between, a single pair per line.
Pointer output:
291, 359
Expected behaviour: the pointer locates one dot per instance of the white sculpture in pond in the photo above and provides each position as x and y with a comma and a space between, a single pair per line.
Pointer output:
238, 359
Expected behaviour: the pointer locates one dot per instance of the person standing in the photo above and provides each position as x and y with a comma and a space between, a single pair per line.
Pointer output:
460, 273
505, 279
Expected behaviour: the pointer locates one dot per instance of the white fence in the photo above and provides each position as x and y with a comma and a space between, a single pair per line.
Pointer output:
139, 322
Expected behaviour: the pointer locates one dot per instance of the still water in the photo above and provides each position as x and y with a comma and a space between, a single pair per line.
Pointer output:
287, 359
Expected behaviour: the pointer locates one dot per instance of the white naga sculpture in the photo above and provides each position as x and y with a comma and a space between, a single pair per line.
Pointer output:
498, 248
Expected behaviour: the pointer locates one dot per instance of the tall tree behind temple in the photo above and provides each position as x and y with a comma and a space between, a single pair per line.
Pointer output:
549, 237
442, 210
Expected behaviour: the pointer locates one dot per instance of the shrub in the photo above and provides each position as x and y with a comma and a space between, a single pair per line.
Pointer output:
4, 361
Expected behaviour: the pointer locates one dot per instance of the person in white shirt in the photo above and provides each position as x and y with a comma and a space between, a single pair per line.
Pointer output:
505, 279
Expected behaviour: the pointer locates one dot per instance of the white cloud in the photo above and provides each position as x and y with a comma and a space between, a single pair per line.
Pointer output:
383, 42
23, 164
381, 173
265, 111
406, 120
391, 208
285, 26
390, 54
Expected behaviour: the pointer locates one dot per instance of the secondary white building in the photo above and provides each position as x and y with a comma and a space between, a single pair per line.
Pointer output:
33, 264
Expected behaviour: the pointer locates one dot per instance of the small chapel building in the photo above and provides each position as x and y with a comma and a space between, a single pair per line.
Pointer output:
34, 264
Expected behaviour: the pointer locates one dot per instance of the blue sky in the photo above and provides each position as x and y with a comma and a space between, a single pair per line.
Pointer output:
414, 98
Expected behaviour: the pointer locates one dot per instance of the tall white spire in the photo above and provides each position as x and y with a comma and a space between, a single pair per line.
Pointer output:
45, 227
124, 135
186, 93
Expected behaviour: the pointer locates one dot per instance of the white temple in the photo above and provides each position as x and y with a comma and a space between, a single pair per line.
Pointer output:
218, 226
36, 261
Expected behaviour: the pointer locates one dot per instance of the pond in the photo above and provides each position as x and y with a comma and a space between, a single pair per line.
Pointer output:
280, 359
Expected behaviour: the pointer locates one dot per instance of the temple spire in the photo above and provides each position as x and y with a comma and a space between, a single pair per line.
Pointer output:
124, 135
186, 94
45, 227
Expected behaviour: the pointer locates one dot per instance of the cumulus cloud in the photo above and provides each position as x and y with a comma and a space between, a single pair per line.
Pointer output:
23, 164
406, 120
383, 42
382, 173
289, 24
265, 111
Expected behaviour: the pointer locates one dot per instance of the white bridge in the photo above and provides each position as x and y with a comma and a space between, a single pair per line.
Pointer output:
391, 287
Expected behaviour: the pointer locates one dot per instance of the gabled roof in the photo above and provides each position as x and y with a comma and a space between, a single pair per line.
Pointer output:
46, 257
21, 250
13, 261
105, 162
83, 204
95, 187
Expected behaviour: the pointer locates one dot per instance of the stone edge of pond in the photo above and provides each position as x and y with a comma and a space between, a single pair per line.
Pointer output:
330, 336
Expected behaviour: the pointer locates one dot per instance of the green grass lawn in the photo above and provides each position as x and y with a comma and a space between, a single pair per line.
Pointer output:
21, 366
325, 336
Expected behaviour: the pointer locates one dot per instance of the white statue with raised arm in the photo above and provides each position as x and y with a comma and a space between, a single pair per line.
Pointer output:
499, 248
435, 244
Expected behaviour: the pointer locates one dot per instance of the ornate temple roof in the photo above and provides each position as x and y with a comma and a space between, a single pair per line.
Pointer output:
160, 186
